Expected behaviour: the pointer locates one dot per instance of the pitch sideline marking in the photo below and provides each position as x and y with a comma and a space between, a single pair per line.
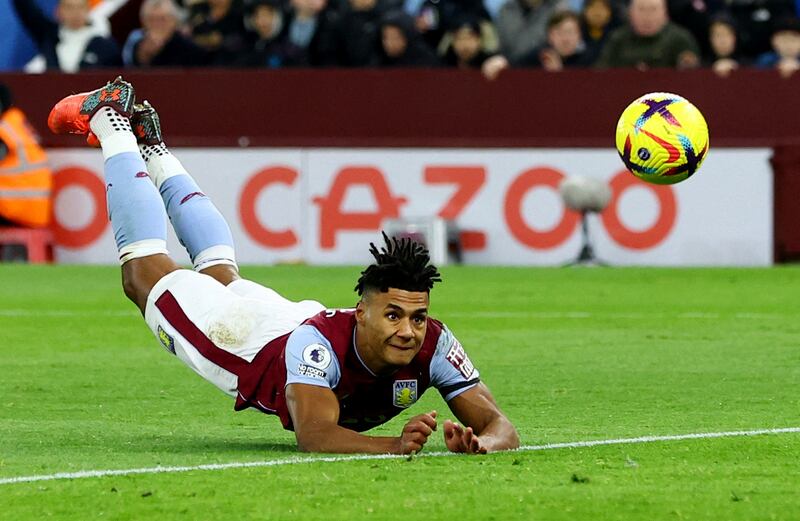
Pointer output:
362, 457
545, 315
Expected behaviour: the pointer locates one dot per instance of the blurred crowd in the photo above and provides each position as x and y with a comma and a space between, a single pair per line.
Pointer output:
490, 35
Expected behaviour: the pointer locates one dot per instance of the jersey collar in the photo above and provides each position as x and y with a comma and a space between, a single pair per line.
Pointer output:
355, 349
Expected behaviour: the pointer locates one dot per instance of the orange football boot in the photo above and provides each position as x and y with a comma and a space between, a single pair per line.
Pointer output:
71, 115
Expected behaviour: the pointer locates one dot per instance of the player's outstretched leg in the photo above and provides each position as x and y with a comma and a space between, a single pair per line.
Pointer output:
198, 224
134, 206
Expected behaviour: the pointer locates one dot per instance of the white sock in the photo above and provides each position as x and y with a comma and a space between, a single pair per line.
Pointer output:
143, 248
214, 256
114, 132
161, 164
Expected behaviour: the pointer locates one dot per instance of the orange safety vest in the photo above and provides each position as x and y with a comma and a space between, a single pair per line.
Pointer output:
25, 177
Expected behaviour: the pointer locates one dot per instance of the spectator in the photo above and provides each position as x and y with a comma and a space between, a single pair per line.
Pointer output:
159, 42
402, 45
785, 54
265, 40
311, 33
493, 7
756, 19
723, 57
357, 34
466, 49
75, 41
218, 27
522, 25
650, 40
25, 179
598, 19
564, 48
695, 17
436, 17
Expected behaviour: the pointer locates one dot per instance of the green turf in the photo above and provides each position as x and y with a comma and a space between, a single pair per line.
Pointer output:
572, 354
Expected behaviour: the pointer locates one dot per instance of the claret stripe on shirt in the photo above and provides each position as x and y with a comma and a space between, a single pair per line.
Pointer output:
172, 311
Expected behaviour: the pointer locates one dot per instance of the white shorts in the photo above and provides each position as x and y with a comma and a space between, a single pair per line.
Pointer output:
216, 329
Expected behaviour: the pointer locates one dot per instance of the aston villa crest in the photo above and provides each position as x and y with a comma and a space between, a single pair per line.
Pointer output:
405, 393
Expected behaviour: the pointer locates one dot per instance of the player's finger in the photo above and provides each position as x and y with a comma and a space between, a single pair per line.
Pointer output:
410, 447
449, 431
421, 427
433, 415
475, 446
429, 419
418, 438
471, 440
461, 435
474, 442
468, 439
468, 434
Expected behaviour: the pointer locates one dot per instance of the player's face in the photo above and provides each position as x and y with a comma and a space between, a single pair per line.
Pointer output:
391, 328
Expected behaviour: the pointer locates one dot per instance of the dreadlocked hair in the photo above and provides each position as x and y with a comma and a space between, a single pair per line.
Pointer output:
402, 264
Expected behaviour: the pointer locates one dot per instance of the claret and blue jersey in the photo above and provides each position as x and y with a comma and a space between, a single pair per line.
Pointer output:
321, 352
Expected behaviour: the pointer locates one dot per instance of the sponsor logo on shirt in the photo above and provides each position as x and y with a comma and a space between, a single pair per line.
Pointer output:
317, 355
459, 359
166, 340
405, 393
313, 372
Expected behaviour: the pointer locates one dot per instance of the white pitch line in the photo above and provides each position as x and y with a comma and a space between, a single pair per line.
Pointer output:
361, 457
65, 313
542, 315
548, 315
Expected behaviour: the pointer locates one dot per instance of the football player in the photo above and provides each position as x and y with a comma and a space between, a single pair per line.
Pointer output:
327, 374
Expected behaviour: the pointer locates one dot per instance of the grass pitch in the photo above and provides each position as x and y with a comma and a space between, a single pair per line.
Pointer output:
570, 354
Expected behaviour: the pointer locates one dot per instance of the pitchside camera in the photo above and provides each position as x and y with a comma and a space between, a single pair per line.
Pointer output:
586, 195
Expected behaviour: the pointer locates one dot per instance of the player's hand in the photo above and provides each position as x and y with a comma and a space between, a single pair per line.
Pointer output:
415, 433
460, 439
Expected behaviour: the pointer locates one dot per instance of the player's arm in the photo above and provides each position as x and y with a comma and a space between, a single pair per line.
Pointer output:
315, 415
312, 371
485, 427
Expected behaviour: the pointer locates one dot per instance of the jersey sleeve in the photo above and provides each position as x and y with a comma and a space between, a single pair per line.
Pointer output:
452, 371
310, 359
